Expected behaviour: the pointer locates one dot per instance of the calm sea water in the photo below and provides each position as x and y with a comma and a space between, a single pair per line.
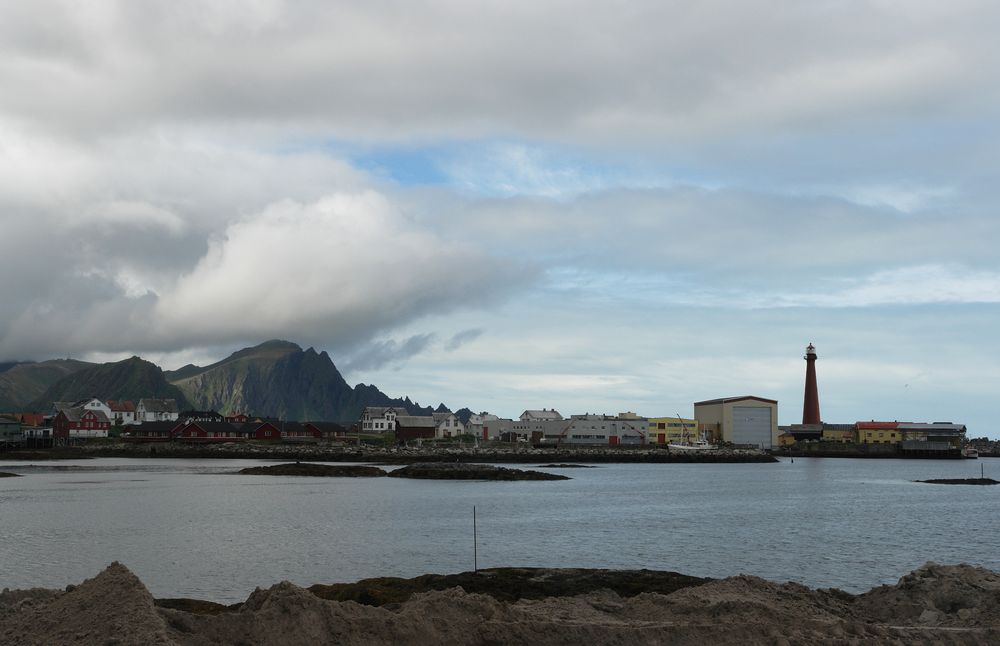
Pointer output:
194, 528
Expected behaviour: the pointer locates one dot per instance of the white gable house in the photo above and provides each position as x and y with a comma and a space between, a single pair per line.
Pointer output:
156, 410
447, 425
380, 419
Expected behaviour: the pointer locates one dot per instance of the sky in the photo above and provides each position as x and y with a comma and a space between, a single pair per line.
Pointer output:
587, 206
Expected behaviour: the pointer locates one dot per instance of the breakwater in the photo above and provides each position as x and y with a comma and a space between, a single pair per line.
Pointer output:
399, 455
850, 450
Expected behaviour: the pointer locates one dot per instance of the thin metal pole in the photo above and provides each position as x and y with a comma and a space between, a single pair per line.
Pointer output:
475, 546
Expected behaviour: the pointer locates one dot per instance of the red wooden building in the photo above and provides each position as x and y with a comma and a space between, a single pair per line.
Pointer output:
209, 432
151, 432
80, 422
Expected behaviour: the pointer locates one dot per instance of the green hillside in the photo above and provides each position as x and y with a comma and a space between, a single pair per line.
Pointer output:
129, 379
22, 384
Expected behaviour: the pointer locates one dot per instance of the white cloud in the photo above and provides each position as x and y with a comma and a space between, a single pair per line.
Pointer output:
557, 69
339, 269
132, 213
917, 285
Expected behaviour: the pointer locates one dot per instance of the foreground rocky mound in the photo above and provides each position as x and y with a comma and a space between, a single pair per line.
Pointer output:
465, 471
510, 584
316, 470
933, 605
114, 607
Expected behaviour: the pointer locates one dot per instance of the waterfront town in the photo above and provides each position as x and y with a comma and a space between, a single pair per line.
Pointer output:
744, 422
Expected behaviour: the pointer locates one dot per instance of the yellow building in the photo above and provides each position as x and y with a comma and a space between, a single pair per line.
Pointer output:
843, 435
878, 433
665, 430
786, 439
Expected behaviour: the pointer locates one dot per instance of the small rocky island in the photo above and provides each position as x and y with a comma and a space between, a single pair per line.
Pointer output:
8, 475
466, 471
961, 481
316, 470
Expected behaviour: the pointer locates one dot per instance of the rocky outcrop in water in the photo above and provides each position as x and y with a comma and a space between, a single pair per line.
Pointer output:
464, 471
315, 470
961, 481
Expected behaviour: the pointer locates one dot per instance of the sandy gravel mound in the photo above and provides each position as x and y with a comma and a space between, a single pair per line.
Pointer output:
935, 595
114, 607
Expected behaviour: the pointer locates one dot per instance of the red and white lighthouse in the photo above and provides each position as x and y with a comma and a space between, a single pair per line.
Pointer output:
810, 403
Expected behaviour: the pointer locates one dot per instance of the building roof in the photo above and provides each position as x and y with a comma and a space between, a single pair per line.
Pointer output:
543, 414
122, 406
946, 427
152, 427
214, 427
726, 400
75, 414
202, 414
158, 405
877, 426
328, 427
84, 402
379, 411
416, 421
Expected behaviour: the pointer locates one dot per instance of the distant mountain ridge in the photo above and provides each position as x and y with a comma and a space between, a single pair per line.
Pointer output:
274, 379
130, 379
24, 382
280, 379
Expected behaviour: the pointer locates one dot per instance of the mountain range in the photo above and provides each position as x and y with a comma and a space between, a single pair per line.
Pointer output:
273, 379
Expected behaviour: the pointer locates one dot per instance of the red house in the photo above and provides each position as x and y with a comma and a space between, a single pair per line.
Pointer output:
151, 432
238, 418
296, 433
327, 430
208, 432
262, 431
80, 422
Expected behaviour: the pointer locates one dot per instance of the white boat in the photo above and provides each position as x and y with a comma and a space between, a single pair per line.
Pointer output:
700, 445
970, 452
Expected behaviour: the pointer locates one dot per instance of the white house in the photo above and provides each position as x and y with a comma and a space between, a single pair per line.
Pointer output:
92, 403
447, 425
380, 419
156, 410
122, 412
477, 422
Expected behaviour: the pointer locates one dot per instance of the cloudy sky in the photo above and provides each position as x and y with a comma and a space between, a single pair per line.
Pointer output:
589, 206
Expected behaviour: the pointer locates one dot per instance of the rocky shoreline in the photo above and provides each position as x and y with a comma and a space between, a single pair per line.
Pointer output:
953, 604
329, 452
